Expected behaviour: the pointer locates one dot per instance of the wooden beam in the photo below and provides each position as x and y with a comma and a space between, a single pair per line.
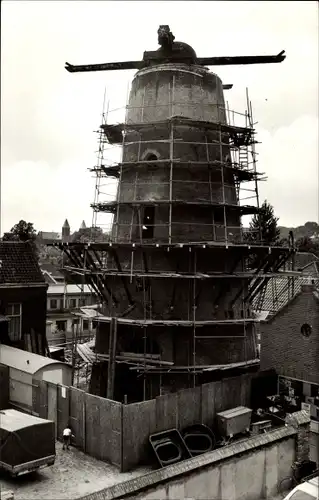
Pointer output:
112, 358
78, 264
123, 279
263, 282
102, 284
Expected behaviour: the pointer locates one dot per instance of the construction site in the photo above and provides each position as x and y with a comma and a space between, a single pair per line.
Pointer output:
180, 280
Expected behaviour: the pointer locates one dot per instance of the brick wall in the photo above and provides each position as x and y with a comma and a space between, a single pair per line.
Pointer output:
301, 421
284, 348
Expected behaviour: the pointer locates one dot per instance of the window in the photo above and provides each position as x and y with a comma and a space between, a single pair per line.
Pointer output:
83, 301
148, 223
151, 157
219, 217
53, 304
14, 312
72, 303
61, 326
306, 330
85, 324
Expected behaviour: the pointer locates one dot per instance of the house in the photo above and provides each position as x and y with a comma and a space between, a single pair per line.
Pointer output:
290, 345
52, 274
63, 300
23, 298
279, 290
48, 237
26, 370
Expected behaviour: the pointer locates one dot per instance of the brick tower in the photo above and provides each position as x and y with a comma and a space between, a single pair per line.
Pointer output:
175, 279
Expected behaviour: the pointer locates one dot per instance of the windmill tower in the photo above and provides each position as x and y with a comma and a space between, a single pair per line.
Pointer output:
175, 280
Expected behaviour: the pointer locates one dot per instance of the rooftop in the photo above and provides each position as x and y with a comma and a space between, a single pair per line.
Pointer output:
13, 420
49, 235
305, 260
19, 264
24, 361
280, 290
68, 289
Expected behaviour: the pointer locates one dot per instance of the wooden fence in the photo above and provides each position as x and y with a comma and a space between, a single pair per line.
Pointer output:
178, 410
119, 433
96, 422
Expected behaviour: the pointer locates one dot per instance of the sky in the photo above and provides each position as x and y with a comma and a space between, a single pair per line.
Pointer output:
49, 116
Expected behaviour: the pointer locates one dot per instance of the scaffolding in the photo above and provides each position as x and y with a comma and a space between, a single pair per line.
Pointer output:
229, 152
240, 163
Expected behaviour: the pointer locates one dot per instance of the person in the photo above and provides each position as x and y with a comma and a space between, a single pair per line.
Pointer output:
67, 434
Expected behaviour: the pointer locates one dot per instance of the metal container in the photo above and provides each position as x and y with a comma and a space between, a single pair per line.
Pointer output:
234, 421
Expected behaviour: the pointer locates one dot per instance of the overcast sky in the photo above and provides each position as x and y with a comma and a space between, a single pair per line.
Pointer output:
48, 115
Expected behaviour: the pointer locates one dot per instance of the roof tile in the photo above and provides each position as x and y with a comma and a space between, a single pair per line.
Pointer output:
19, 263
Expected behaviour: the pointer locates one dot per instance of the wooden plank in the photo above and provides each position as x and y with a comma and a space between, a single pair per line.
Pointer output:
189, 407
43, 398
136, 355
166, 412
77, 398
138, 423
52, 405
112, 354
208, 403
92, 425
110, 431
63, 406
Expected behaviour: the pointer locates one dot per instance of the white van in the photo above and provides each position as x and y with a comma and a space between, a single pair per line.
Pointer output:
308, 490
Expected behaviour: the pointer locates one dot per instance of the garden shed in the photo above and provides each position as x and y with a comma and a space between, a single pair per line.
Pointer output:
26, 369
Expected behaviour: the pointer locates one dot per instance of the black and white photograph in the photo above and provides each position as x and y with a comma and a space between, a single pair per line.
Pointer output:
159, 250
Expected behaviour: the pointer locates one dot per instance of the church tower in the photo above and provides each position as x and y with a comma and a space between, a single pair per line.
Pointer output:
66, 231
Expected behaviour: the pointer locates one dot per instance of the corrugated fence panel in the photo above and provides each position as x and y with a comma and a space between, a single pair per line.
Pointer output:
92, 425
166, 412
208, 403
189, 407
138, 424
110, 431
77, 416
63, 409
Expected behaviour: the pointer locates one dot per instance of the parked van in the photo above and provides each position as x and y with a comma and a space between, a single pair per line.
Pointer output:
27, 443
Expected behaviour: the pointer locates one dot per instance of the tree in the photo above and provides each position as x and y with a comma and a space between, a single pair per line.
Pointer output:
22, 231
307, 245
264, 226
86, 234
